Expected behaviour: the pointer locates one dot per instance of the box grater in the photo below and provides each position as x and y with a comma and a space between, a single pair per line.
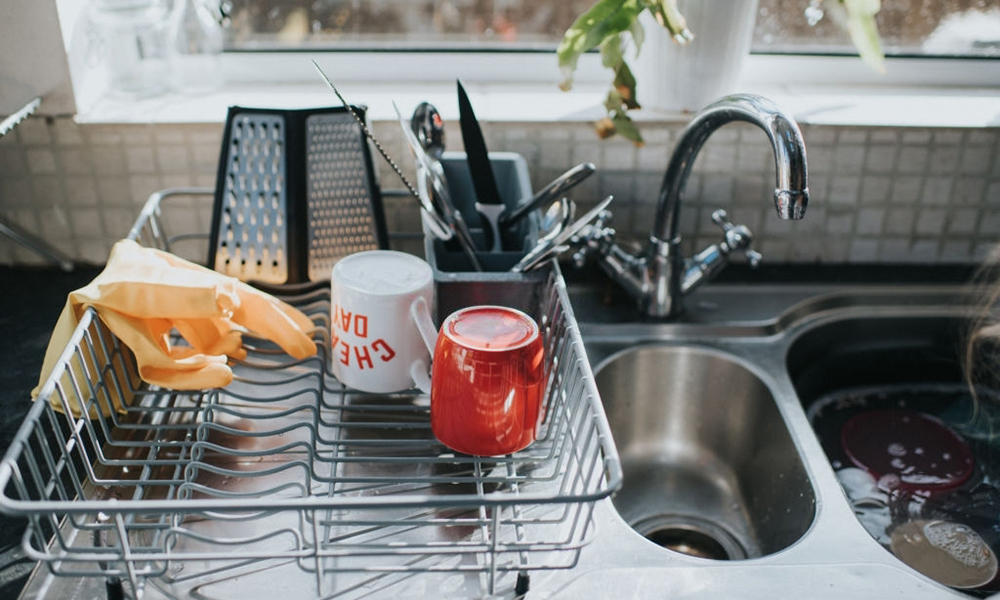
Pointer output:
296, 191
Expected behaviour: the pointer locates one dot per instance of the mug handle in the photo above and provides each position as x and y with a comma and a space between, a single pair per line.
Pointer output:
421, 314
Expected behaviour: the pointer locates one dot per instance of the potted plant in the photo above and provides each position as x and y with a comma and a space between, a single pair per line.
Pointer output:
618, 27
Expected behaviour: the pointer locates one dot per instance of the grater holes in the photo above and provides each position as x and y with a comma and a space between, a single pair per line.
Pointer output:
255, 151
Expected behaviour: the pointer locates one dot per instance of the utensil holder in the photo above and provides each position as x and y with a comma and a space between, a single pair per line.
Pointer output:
458, 285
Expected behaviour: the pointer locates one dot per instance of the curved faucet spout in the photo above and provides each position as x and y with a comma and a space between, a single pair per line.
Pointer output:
660, 277
791, 194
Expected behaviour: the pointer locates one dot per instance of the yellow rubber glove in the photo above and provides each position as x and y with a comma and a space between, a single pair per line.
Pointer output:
144, 295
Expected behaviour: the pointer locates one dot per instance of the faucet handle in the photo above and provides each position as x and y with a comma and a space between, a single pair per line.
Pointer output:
595, 238
738, 238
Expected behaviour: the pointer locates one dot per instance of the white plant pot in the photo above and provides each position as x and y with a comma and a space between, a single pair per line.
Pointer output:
687, 78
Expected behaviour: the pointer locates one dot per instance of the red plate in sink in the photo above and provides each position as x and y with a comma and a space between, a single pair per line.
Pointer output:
922, 451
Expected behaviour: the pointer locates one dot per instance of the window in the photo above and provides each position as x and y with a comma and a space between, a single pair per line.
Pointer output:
522, 25
908, 27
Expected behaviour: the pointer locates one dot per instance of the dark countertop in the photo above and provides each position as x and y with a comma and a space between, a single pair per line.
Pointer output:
29, 308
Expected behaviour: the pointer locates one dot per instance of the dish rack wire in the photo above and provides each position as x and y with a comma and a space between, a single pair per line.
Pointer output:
286, 478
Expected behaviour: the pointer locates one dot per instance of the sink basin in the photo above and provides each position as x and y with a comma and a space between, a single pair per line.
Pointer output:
710, 469
868, 351
921, 469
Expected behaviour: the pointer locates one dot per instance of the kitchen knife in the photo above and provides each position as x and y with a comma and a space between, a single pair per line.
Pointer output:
484, 182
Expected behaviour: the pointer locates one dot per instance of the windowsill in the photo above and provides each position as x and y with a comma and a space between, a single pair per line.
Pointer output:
869, 101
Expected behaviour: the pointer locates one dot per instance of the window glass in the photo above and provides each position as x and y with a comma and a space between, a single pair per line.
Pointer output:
401, 24
953, 28
907, 27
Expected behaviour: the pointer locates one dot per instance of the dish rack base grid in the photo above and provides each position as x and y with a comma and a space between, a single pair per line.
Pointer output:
286, 478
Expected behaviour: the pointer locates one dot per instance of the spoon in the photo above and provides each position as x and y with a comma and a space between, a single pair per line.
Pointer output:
558, 216
555, 240
428, 126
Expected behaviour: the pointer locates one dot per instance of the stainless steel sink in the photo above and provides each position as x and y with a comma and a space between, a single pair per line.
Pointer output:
710, 468
710, 415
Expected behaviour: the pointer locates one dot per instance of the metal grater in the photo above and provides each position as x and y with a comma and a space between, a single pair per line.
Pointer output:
339, 192
252, 226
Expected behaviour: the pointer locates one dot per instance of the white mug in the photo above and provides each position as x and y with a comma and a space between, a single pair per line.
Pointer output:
380, 321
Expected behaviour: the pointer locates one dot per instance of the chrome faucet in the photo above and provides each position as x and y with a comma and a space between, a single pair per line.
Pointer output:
659, 277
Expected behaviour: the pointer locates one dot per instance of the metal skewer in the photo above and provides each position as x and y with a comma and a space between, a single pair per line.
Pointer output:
441, 229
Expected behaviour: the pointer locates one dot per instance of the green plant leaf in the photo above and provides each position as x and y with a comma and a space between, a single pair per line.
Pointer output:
613, 57
638, 35
625, 127
863, 30
603, 19
669, 16
625, 85
612, 53
613, 102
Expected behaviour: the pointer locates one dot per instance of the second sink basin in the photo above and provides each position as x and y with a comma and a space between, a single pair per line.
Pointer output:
710, 469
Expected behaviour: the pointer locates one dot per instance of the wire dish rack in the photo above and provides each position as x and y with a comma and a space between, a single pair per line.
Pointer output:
288, 482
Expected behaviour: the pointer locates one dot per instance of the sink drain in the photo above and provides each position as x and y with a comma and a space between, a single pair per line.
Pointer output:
691, 536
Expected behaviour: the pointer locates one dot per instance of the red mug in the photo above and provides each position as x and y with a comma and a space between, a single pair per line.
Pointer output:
487, 381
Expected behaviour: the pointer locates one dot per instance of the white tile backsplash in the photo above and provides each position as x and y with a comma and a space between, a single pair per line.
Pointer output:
976, 160
881, 158
863, 250
140, 159
878, 194
900, 221
913, 159
993, 193
41, 161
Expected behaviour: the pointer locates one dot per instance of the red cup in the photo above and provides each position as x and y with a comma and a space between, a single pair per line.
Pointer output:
487, 381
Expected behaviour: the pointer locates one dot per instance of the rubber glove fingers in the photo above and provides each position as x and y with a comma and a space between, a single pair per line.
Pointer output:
207, 375
173, 287
267, 317
212, 336
159, 362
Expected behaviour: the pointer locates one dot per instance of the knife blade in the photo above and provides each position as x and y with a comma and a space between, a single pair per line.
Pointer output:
488, 201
